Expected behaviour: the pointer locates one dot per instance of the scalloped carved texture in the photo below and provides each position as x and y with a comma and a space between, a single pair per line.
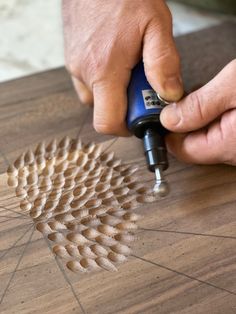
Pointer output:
81, 199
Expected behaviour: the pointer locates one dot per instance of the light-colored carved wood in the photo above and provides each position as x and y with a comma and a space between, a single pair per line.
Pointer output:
89, 211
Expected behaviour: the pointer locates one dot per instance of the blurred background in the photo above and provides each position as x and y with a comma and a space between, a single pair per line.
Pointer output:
31, 31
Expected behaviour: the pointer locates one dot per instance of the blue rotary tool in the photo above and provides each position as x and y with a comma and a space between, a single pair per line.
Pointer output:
143, 120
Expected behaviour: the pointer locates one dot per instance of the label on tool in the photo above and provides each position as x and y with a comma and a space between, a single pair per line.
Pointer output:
151, 100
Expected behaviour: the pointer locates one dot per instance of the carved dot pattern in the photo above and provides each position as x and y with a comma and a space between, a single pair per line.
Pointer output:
82, 200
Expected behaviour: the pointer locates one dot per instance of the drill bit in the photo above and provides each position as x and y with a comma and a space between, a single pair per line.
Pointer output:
161, 187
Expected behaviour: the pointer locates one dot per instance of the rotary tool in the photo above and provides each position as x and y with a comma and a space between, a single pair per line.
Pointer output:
143, 120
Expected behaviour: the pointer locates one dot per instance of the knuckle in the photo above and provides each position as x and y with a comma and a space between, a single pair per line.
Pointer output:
73, 67
103, 127
233, 65
195, 105
85, 98
228, 128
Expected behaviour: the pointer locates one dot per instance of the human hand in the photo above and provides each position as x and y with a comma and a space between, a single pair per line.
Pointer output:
204, 122
104, 40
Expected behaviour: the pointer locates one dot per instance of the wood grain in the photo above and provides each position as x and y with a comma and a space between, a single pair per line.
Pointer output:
185, 258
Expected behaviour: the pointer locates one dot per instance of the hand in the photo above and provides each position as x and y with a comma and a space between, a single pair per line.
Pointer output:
104, 40
204, 122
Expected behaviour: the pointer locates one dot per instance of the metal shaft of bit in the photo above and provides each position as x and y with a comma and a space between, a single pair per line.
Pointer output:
161, 187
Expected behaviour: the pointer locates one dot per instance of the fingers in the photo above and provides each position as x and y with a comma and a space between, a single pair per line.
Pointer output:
160, 56
85, 95
215, 144
202, 106
110, 106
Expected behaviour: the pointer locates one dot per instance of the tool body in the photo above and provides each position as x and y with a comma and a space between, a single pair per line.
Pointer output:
143, 120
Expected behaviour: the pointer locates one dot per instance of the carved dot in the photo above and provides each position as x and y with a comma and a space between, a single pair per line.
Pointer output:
105, 240
46, 184
33, 167
76, 238
106, 157
32, 179
50, 205
105, 263
124, 237
35, 212
93, 203
62, 166
107, 230
76, 144
121, 249
145, 199
91, 182
73, 156
29, 157
97, 211
82, 159
52, 146
20, 162
60, 251
85, 251
72, 250
48, 171
134, 186
116, 182
23, 172
80, 213
69, 184
64, 217
117, 258
64, 143
56, 237
79, 191
79, 179
40, 150
131, 216
126, 225
100, 187
121, 191
12, 171
99, 250
55, 194
56, 225
110, 220
12, 181
21, 192
114, 163
90, 222
43, 227
25, 205
62, 154
75, 266
66, 199
90, 233
109, 201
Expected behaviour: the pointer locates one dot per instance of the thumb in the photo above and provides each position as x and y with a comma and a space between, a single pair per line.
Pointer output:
201, 107
160, 56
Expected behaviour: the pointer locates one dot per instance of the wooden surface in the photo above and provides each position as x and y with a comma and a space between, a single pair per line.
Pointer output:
184, 260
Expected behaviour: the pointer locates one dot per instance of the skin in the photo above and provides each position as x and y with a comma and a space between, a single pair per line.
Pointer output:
204, 122
104, 40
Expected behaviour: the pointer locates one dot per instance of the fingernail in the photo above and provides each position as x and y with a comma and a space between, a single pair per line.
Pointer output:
169, 116
174, 88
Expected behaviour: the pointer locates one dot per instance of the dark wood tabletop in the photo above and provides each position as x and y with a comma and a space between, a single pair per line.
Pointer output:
184, 260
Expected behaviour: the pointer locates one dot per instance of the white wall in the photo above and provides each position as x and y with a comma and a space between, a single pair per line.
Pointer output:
31, 34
